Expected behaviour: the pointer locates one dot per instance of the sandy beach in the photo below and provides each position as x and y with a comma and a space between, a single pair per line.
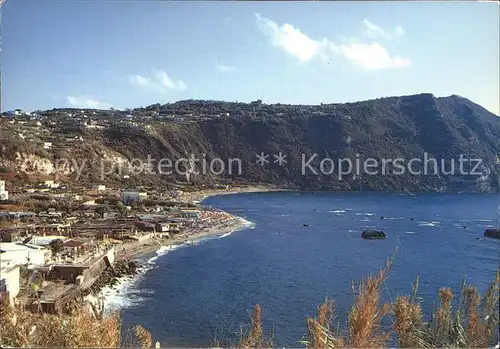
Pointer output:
201, 195
132, 250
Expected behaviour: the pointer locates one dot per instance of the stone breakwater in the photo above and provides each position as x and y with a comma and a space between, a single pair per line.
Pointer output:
111, 275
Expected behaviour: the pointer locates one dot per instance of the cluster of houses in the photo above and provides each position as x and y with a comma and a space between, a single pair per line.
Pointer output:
4, 194
67, 238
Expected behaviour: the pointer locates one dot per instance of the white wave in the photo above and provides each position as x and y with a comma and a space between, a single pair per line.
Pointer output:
121, 295
428, 224
124, 295
485, 220
152, 260
226, 234
352, 231
163, 250
338, 211
246, 223
369, 214
410, 232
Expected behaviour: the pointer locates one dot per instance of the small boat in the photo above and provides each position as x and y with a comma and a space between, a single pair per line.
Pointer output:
305, 225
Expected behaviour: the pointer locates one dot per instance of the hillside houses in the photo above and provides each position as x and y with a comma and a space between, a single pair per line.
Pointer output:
4, 194
9, 280
21, 254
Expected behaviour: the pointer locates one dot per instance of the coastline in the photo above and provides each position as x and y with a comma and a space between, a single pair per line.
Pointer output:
200, 195
134, 250
155, 247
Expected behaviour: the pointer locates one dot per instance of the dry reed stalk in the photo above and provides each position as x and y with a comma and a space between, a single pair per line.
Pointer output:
21, 328
255, 336
143, 336
320, 333
476, 330
366, 313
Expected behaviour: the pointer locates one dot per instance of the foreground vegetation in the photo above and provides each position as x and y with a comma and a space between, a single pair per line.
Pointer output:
462, 320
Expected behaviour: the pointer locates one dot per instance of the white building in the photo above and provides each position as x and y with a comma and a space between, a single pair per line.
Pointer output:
46, 240
89, 203
9, 279
51, 184
4, 195
19, 254
72, 247
100, 187
47, 145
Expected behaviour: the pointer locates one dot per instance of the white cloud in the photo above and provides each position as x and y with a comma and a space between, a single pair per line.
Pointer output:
168, 83
369, 56
399, 31
373, 56
225, 68
85, 101
138, 80
160, 81
289, 39
374, 31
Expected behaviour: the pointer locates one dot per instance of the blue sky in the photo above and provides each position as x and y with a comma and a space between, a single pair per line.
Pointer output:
131, 53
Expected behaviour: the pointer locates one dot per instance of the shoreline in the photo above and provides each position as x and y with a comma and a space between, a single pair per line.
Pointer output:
200, 195
135, 250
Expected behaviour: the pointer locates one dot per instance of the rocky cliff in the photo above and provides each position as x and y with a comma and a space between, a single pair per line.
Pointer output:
387, 144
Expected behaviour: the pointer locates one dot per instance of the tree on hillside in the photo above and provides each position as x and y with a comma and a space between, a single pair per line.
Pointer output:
101, 210
56, 246
122, 209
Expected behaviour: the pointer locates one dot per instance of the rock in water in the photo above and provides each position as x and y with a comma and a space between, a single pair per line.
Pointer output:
373, 235
492, 233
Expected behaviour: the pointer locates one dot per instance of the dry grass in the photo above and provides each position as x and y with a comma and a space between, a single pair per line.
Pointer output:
407, 324
366, 313
79, 328
320, 331
462, 320
143, 336
474, 324
255, 337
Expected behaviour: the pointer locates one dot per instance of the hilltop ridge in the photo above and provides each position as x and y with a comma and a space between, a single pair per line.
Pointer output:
390, 127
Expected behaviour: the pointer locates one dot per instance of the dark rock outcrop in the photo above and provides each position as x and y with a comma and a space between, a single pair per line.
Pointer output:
492, 233
373, 234
110, 276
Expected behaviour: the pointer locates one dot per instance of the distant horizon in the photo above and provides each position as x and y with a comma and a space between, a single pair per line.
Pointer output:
248, 102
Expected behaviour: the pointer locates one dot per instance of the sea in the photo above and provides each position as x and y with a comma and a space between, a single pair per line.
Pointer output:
297, 249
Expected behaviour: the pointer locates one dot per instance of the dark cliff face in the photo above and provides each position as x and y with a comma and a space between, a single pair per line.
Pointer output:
389, 128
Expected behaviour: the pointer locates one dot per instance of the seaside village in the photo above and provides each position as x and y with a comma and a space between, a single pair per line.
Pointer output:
60, 248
